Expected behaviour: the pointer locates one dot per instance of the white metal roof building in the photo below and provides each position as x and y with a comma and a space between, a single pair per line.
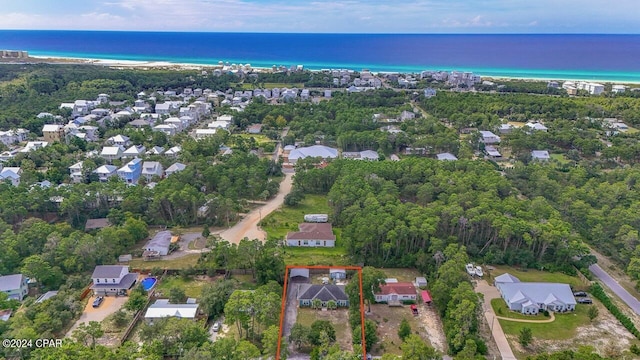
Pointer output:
320, 151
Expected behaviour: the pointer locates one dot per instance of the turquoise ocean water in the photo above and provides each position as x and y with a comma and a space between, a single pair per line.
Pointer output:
590, 57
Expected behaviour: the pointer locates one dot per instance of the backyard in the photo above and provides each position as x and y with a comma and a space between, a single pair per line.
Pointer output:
533, 276
173, 264
191, 287
338, 318
388, 319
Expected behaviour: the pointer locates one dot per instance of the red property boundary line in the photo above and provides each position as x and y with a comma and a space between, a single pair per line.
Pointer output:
284, 301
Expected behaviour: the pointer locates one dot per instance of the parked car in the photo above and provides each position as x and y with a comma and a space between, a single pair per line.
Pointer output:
216, 326
584, 300
414, 310
580, 294
98, 301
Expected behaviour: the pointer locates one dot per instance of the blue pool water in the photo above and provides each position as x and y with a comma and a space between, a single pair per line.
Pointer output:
148, 283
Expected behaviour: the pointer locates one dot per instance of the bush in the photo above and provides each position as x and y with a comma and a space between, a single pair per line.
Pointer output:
597, 292
156, 271
545, 313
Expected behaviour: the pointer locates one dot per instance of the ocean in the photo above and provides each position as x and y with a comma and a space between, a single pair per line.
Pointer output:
590, 57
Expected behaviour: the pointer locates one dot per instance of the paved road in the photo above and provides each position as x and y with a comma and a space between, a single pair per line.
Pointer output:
612, 284
489, 293
248, 226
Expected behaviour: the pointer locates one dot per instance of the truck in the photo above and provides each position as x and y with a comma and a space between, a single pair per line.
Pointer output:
317, 218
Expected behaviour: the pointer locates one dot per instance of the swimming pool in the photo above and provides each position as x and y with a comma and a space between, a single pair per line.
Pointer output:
148, 283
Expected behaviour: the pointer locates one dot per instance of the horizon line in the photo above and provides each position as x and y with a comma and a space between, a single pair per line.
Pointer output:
320, 33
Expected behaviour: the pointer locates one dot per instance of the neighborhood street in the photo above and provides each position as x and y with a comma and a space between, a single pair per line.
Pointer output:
248, 226
612, 284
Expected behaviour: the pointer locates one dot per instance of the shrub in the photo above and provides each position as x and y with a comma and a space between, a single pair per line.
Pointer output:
597, 292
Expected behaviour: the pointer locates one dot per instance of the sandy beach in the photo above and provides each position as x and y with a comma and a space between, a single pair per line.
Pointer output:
139, 64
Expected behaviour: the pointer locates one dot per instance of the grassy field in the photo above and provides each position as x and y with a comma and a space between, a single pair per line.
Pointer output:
316, 256
563, 328
531, 275
402, 274
560, 158
174, 264
192, 288
260, 139
501, 309
280, 222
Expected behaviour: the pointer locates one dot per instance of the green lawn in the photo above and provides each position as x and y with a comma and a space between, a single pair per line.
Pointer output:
531, 275
560, 158
402, 274
192, 288
316, 256
280, 222
260, 139
175, 264
501, 309
338, 318
563, 328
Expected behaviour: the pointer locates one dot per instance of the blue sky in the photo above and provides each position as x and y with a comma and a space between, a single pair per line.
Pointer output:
337, 16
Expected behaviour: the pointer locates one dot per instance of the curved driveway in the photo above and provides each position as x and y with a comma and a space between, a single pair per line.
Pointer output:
489, 293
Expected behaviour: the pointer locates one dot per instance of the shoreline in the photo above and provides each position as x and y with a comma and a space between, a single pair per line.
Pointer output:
146, 64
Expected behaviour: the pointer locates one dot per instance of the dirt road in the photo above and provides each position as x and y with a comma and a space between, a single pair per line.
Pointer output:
248, 226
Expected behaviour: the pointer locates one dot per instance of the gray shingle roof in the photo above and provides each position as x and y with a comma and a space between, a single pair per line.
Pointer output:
107, 271
10, 282
324, 293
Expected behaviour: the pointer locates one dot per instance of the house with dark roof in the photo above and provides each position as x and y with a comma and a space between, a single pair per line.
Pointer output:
312, 235
93, 224
15, 286
529, 298
324, 293
112, 280
396, 292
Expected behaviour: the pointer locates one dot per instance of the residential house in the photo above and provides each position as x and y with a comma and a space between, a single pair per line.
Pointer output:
168, 129
156, 150
324, 293
312, 235
618, 89
133, 152
203, 133
396, 292
314, 151
165, 108
34, 145
112, 280
91, 132
10, 174
217, 124
161, 308
151, 169
46, 296
11, 137
176, 122
506, 128
177, 167
111, 153
227, 118
96, 224
540, 155
174, 151
531, 297
536, 126
488, 137
407, 115
131, 172
120, 140
492, 153
104, 172
8, 155
15, 286
361, 155
53, 132
254, 129
446, 157
159, 244
75, 172
429, 92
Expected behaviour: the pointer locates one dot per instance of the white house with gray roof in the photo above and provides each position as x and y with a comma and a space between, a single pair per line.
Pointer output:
159, 243
112, 280
529, 298
320, 151
162, 309
15, 286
